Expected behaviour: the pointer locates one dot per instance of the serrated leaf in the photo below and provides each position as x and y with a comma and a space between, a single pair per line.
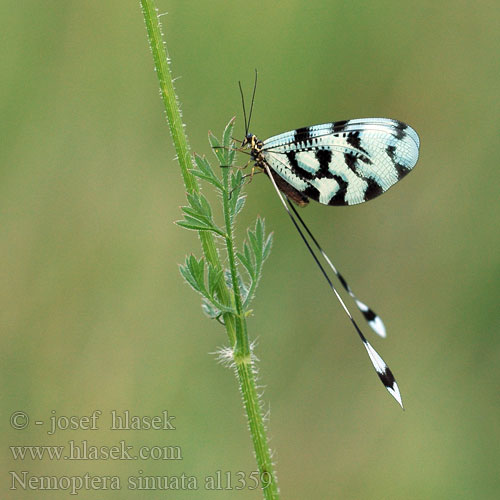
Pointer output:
207, 178
207, 209
240, 203
267, 247
200, 204
214, 142
199, 215
193, 273
225, 151
236, 179
228, 133
246, 264
217, 148
248, 254
256, 248
236, 185
230, 154
194, 201
188, 277
228, 142
204, 165
197, 268
259, 231
194, 214
214, 279
197, 220
199, 227
206, 172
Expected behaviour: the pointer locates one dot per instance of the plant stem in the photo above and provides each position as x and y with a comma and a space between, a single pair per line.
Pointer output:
235, 324
181, 144
242, 347
242, 357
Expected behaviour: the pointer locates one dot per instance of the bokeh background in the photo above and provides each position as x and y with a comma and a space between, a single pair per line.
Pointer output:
94, 313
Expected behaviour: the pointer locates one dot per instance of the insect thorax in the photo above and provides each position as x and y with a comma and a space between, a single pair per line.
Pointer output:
255, 145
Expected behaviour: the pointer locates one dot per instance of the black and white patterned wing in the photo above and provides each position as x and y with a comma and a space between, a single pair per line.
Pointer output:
345, 162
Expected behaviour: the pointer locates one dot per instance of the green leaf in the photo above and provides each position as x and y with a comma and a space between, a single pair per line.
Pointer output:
227, 142
248, 253
217, 149
193, 272
214, 279
256, 249
198, 216
204, 165
199, 227
194, 214
240, 203
228, 133
246, 264
197, 267
267, 247
200, 203
205, 172
205, 206
225, 152
236, 185
259, 231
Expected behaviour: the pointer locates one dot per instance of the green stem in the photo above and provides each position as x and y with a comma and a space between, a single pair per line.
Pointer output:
235, 324
181, 144
269, 482
242, 347
245, 369
168, 94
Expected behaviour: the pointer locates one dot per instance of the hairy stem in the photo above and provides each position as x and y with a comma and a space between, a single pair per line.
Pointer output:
235, 324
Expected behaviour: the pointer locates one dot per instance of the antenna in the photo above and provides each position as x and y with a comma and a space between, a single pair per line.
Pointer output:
253, 99
244, 111
247, 123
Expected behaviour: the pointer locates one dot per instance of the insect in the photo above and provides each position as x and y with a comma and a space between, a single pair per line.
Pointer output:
339, 163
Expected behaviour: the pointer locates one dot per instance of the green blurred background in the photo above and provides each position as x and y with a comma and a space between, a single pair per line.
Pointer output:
95, 314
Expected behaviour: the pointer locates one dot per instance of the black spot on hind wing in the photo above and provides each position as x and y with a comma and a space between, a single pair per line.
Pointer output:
339, 197
400, 130
354, 140
350, 160
311, 192
373, 189
401, 169
296, 169
324, 158
391, 152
